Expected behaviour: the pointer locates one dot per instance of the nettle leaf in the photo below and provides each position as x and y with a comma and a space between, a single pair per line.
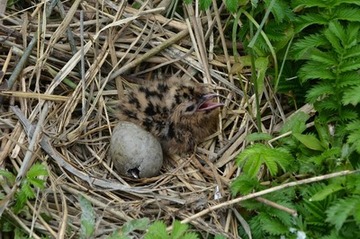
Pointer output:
302, 48
309, 19
136, 224
310, 141
348, 79
157, 230
346, 12
244, 184
252, 158
326, 191
273, 226
319, 90
327, 58
341, 210
352, 96
315, 70
338, 30
352, 36
8, 175
354, 134
37, 170
352, 52
280, 10
334, 41
349, 65
179, 230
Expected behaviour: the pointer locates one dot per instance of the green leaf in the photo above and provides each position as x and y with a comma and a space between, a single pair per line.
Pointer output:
271, 165
157, 230
37, 170
39, 183
87, 218
258, 137
178, 230
319, 91
327, 58
295, 123
341, 210
349, 65
273, 226
338, 30
315, 70
136, 224
352, 96
310, 141
252, 158
261, 64
232, 5
8, 175
326, 191
244, 184
205, 4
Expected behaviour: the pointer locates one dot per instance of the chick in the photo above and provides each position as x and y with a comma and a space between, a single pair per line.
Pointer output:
179, 113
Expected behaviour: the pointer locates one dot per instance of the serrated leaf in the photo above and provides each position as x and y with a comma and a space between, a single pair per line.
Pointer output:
271, 165
136, 224
157, 230
341, 210
352, 96
310, 141
37, 170
274, 226
253, 164
39, 183
178, 230
8, 175
244, 184
326, 191
87, 218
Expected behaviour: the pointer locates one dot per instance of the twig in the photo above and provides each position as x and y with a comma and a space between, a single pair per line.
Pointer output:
267, 191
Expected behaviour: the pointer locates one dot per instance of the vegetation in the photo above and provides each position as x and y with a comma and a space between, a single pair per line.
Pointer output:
298, 65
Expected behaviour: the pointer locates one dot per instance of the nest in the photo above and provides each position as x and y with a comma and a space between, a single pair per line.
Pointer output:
64, 66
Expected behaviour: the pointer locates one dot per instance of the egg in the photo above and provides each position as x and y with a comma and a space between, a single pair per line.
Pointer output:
135, 152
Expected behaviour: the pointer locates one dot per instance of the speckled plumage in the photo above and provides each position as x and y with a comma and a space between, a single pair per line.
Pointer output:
179, 113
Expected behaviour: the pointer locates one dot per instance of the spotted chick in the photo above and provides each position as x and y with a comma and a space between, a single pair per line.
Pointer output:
179, 113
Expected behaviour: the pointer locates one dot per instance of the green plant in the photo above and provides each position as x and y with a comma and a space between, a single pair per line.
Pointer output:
325, 209
34, 179
158, 230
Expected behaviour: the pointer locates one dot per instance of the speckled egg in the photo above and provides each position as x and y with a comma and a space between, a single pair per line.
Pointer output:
135, 152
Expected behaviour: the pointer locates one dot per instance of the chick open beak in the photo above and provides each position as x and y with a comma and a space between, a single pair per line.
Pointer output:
206, 103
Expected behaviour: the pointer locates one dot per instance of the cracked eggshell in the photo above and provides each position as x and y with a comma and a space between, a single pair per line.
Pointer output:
134, 151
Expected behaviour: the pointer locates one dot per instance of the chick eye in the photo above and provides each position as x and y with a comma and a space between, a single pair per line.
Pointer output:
190, 108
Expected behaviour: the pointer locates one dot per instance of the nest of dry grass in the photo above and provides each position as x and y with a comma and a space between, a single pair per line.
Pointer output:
63, 68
